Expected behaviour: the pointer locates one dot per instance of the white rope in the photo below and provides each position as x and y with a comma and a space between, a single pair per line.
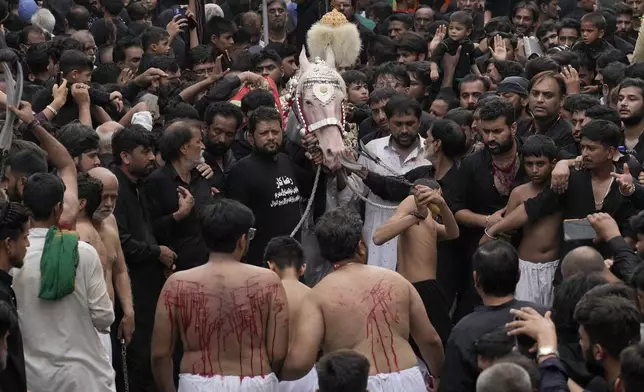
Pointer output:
309, 204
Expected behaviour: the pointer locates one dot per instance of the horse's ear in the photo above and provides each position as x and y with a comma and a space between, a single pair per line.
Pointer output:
304, 61
330, 57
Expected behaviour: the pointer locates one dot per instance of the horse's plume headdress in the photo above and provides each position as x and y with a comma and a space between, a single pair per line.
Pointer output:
335, 33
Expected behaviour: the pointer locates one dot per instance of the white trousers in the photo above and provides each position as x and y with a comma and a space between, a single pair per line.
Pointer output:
535, 283
307, 383
196, 383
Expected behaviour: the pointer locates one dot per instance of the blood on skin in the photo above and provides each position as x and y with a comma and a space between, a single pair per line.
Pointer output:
381, 298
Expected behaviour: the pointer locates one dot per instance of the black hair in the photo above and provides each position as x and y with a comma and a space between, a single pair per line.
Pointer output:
217, 26
507, 68
106, 73
462, 17
137, 11
354, 77
420, 70
78, 138
637, 223
496, 264
613, 322
38, 58
13, 221
266, 55
135, 29
223, 224
394, 69
613, 73
153, 35
412, 42
449, 98
381, 10
603, 132
118, 54
461, 116
343, 371
494, 345
284, 252
405, 18
43, 192
256, 99
263, 114
78, 18
631, 362
611, 22
23, 36
528, 5
607, 113
381, 94
497, 108
403, 104
104, 32
539, 146
579, 102
633, 82
224, 109
617, 289
566, 57
180, 110
91, 190
471, 78
611, 56
75, 60
128, 139
498, 24
199, 55
596, 18
622, 8
568, 23
171, 141
283, 50
338, 233
546, 27
382, 49
27, 162
451, 136
538, 65
567, 295
164, 63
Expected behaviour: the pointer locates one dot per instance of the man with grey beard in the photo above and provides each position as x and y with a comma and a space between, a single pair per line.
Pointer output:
177, 191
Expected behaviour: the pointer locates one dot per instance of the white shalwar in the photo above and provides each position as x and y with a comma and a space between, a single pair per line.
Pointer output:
63, 351
196, 383
535, 282
384, 255
408, 380
308, 383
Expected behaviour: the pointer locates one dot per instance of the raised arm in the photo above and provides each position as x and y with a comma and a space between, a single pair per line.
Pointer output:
401, 221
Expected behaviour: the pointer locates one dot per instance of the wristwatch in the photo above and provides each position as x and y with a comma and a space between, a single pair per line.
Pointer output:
547, 350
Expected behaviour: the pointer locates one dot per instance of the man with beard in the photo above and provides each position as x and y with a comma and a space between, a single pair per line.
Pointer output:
485, 180
402, 151
515, 90
548, 10
471, 89
547, 35
423, 18
277, 16
177, 192
222, 119
146, 260
268, 182
117, 277
377, 125
13, 233
579, 103
547, 92
525, 18
538, 251
631, 112
82, 143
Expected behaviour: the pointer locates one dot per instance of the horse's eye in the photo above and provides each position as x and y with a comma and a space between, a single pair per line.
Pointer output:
308, 102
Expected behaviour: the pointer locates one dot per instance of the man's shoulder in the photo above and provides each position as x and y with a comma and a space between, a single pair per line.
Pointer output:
86, 252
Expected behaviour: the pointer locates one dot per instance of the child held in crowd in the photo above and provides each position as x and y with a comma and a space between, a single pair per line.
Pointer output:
459, 31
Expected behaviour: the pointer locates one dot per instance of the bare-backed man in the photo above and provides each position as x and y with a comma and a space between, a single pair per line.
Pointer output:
232, 318
364, 308
419, 233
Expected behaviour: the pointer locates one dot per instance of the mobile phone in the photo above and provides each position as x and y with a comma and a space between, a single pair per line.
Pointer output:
226, 61
578, 229
180, 11
59, 78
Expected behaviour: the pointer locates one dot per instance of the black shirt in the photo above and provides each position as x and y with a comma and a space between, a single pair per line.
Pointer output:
13, 378
183, 237
460, 369
560, 132
241, 147
592, 51
272, 188
218, 180
450, 46
638, 150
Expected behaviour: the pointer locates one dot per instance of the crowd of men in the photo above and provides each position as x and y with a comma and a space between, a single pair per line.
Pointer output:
489, 237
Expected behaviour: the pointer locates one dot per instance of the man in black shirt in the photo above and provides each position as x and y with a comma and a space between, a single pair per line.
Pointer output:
496, 273
222, 119
13, 247
242, 146
177, 192
630, 103
268, 182
146, 261
546, 95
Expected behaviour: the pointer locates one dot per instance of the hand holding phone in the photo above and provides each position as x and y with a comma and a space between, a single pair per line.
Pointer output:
578, 229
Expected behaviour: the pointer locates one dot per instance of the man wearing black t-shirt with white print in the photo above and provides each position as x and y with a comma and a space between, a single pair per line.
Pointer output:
268, 182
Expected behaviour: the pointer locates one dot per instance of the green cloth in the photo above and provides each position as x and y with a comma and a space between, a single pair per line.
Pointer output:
366, 23
58, 264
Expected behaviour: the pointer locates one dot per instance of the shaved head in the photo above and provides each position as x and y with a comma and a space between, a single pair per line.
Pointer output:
584, 259
110, 192
104, 175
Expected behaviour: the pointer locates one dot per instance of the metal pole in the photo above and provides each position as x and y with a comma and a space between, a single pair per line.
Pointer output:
265, 20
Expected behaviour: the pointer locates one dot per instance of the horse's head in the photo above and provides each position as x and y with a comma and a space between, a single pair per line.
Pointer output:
320, 96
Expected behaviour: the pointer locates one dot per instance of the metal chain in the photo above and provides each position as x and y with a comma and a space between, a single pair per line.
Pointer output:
365, 199
126, 381
309, 205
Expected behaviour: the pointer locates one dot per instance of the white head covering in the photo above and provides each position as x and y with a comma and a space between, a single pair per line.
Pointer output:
144, 119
